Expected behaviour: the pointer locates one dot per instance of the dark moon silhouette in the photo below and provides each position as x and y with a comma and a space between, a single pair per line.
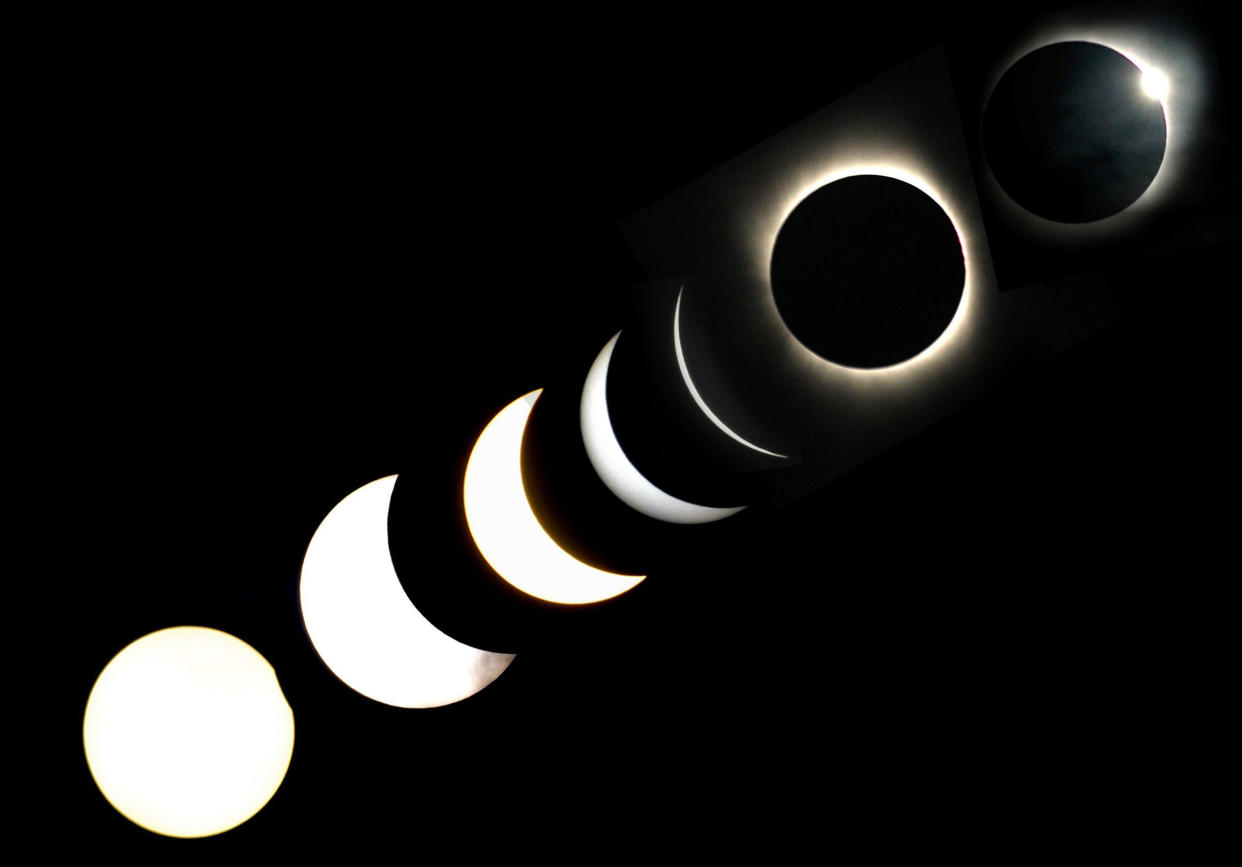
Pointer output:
867, 271
1070, 134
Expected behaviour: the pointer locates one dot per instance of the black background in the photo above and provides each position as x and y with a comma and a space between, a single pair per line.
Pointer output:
284, 258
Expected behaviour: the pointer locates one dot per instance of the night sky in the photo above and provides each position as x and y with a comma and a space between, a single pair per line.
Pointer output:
288, 258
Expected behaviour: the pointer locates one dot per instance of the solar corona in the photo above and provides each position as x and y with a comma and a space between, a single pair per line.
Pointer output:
868, 271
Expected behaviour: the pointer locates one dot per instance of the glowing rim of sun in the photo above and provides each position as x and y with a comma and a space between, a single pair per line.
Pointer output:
887, 170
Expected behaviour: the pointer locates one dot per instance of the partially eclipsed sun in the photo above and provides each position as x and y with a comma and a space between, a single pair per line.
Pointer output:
506, 531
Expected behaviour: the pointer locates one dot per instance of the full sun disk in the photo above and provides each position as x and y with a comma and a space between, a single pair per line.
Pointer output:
187, 732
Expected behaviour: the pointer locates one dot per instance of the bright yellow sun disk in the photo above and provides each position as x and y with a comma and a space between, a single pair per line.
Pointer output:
187, 732
505, 529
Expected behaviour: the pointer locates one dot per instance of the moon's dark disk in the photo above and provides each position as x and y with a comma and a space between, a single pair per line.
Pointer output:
1070, 134
867, 271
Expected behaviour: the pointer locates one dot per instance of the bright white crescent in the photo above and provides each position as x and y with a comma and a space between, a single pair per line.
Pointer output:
614, 468
505, 529
362, 623
694, 392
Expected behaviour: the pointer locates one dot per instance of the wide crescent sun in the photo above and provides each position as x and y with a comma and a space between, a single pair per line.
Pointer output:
504, 526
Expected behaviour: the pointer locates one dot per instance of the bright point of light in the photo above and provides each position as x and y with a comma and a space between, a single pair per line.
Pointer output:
1155, 84
362, 623
614, 468
187, 732
505, 529
694, 392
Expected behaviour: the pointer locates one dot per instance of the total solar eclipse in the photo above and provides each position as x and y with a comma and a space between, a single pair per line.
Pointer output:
867, 271
1075, 131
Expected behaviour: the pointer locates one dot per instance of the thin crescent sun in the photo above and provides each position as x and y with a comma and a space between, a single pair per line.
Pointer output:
694, 392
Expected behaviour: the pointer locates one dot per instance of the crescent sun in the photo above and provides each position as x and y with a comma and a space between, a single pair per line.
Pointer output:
362, 623
614, 468
694, 392
505, 529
